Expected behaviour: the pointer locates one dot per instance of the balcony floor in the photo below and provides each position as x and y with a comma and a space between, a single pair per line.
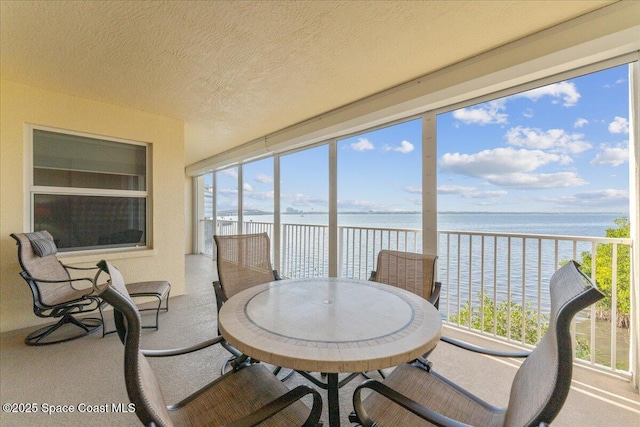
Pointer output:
89, 370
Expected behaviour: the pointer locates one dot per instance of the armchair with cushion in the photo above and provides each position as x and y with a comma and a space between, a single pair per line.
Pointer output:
55, 293
246, 396
414, 394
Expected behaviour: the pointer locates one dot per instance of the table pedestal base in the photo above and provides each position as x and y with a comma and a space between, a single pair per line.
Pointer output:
332, 386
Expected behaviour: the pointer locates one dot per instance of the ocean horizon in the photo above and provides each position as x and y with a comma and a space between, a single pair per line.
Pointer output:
592, 224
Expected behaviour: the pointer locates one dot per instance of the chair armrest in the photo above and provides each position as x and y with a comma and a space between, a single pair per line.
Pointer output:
372, 277
70, 267
435, 294
70, 280
280, 403
402, 400
220, 295
481, 350
182, 350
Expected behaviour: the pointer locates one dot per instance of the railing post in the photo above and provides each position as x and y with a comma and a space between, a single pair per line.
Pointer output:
339, 249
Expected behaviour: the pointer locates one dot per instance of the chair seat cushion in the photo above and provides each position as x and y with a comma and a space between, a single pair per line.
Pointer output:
433, 392
158, 288
236, 395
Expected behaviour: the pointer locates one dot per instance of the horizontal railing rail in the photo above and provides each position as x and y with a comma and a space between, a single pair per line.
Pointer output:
493, 283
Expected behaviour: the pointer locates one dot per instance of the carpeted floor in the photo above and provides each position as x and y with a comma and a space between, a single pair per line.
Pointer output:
88, 373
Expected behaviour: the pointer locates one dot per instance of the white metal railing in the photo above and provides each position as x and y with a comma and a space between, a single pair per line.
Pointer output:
486, 272
304, 251
359, 247
503, 275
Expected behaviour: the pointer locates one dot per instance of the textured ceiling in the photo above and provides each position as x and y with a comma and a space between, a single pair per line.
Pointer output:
235, 71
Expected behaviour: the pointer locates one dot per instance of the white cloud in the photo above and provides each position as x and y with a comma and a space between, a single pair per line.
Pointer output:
537, 181
617, 82
609, 198
488, 194
363, 144
228, 192
508, 167
496, 162
554, 140
405, 147
483, 114
260, 195
580, 123
612, 156
469, 192
455, 189
247, 187
357, 205
232, 172
264, 179
565, 90
416, 190
305, 200
619, 125
492, 112
416, 201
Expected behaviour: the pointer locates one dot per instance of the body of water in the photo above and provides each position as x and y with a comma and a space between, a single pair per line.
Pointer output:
564, 224
463, 268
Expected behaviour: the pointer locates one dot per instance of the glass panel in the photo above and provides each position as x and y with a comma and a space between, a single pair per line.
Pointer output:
227, 201
206, 221
304, 201
257, 193
550, 161
90, 222
62, 160
563, 147
379, 195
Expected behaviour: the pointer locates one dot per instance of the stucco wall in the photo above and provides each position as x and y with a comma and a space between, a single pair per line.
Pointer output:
20, 105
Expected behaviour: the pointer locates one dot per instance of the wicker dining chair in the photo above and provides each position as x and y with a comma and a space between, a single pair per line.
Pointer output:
246, 396
408, 270
243, 261
414, 394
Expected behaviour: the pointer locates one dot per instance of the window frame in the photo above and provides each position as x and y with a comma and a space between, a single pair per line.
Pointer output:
31, 190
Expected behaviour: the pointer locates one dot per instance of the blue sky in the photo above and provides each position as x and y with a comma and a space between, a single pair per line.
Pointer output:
562, 147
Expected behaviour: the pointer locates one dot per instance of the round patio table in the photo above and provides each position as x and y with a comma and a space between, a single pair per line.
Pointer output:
330, 325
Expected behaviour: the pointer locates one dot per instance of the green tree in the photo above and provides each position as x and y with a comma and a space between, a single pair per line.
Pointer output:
475, 315
489, 318
604, 273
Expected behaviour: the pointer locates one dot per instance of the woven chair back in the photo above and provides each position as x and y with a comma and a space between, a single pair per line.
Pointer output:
45, 267
142, 385
243, 261
542, 383
407, 270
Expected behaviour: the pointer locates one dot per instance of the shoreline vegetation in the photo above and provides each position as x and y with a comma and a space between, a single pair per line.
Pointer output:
604, 273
